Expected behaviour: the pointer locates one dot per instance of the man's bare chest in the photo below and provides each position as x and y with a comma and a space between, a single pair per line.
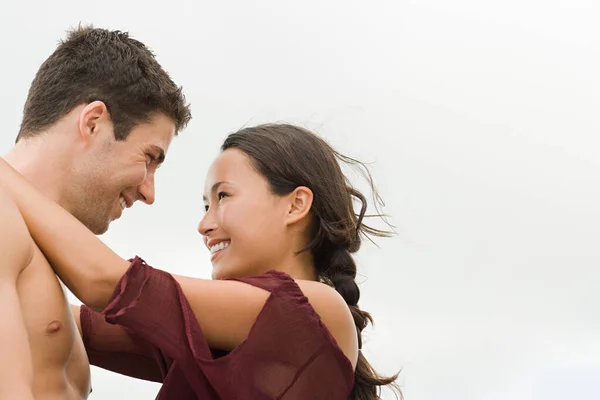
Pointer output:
53, 336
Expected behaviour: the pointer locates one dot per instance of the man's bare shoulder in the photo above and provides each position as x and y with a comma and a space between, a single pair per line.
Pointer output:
16, 245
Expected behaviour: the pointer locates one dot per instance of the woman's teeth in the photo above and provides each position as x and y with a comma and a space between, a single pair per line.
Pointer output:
218, 246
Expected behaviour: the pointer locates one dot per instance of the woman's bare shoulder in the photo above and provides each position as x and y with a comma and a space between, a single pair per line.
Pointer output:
335, 314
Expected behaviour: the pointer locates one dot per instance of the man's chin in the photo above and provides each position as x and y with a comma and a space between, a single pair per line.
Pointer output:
99, 232
98, 227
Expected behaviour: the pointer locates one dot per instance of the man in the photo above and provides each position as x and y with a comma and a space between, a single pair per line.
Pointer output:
98, 121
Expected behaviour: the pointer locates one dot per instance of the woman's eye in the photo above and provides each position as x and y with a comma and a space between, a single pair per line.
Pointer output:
222, 195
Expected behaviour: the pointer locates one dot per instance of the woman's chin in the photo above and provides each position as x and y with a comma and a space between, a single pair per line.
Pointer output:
223, 271
218, 272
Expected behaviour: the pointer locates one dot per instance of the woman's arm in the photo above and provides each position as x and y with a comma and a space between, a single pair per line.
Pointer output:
84, 263
226, 310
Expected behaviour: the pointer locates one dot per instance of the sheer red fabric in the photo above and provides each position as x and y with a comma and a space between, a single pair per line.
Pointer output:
148, 331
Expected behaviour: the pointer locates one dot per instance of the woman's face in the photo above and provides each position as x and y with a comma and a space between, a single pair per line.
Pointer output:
244, 227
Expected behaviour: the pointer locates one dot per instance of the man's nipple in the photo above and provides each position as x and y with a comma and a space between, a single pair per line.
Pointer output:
53, 327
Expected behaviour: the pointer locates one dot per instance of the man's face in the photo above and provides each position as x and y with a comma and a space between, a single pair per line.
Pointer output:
111, 175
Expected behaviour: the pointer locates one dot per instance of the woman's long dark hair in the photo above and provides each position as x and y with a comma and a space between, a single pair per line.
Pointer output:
288, 157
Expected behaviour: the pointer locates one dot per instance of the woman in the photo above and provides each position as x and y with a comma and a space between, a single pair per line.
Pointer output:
280, 226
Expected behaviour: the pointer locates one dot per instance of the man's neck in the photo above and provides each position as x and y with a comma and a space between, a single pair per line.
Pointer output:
38, 160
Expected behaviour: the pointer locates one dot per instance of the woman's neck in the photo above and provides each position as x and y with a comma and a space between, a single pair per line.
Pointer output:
300, 267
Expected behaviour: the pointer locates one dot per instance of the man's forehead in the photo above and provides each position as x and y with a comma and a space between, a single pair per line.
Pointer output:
159, 130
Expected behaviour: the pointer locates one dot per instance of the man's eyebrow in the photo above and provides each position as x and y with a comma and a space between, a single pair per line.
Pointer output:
214, 189
160, 153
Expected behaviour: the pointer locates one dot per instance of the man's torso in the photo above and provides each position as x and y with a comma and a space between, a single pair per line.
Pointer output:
60, 364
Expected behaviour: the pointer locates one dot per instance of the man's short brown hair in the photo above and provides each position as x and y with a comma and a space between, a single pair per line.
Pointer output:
97, 64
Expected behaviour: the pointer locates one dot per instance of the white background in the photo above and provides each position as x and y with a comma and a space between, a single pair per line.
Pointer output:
480, 119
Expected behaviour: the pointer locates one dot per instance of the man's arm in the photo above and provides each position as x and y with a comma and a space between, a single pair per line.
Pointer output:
109, 346
76, 311
16, 250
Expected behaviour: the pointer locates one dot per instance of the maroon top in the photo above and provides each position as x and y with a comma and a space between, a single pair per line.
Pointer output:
149, 331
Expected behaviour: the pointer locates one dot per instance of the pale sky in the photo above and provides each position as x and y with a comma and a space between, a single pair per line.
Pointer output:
479, 119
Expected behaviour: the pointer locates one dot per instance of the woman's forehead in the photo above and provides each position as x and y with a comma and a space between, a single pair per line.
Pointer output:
232, 166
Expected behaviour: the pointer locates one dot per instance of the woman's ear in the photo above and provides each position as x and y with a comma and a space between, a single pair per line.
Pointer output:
299, 204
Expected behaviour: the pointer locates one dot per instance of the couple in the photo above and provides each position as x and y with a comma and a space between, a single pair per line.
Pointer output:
279, 319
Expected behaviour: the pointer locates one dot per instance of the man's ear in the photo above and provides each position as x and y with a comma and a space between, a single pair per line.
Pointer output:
299, 204
93, 118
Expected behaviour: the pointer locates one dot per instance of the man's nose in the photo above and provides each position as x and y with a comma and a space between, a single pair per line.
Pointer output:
146, 190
